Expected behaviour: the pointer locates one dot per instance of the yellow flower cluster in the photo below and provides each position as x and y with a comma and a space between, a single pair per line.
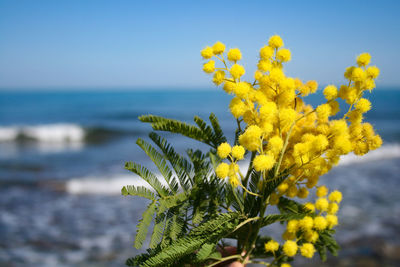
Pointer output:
231, 170
307, 230
290, 138
285, 132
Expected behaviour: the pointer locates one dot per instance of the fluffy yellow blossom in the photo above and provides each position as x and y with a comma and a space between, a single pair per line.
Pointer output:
307, 250
333, 208
275, 144
306, 223
323, 112
304, 90
309, 206
237, 71
234, 181
275, 41
338, 127
372, 72
292, 226
268, 110
312, 85
320, 223
290, 248
363, 59
335, 108
237, 107
222, 170
229, 85
257, 75
376, 142
233, 168
276, 75
288, 236
320, 142
292, 191
250, 139
271, 246
322, 204
335, 196
311, 236
348, 72
219, 77
302, 193
266, 52
263, 162
286, 265
369, 84
207, 52
223, 150
242, 89
274, 199
331, 220
238, 152
264, 65
357, 74
286, 117
234, 54
283, 187
322, 191
283, 55
330, 92
342, 144
218, 48
209, 67
363, 105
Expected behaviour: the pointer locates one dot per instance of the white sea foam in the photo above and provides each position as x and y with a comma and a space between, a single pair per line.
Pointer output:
49, 133
8, 133
106, 185
385, 152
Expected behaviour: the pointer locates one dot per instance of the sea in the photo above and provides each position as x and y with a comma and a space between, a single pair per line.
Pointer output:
62, 156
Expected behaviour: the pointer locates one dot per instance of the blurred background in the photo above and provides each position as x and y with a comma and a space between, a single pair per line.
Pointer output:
75, 75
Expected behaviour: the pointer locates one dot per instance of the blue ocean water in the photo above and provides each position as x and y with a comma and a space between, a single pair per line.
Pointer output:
61, 168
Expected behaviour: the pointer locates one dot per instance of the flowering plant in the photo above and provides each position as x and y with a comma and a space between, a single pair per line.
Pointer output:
207, 199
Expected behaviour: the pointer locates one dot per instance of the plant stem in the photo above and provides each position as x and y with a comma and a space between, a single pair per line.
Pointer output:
225, 259
258, 262
257, 229
283, 150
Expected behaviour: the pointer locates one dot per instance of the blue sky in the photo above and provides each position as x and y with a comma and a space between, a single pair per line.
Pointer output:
156, 44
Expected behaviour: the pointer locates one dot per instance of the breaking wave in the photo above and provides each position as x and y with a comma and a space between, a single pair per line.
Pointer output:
58, 133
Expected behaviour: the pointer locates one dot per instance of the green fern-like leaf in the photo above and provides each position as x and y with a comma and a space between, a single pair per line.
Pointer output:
174, 126
205, 251
144, 223
272, 218
172, 201
326, 239
176, 227
207, 130
159, 161
181, 166
157, 230
148, 176
286, 205
209, 232
139, 191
